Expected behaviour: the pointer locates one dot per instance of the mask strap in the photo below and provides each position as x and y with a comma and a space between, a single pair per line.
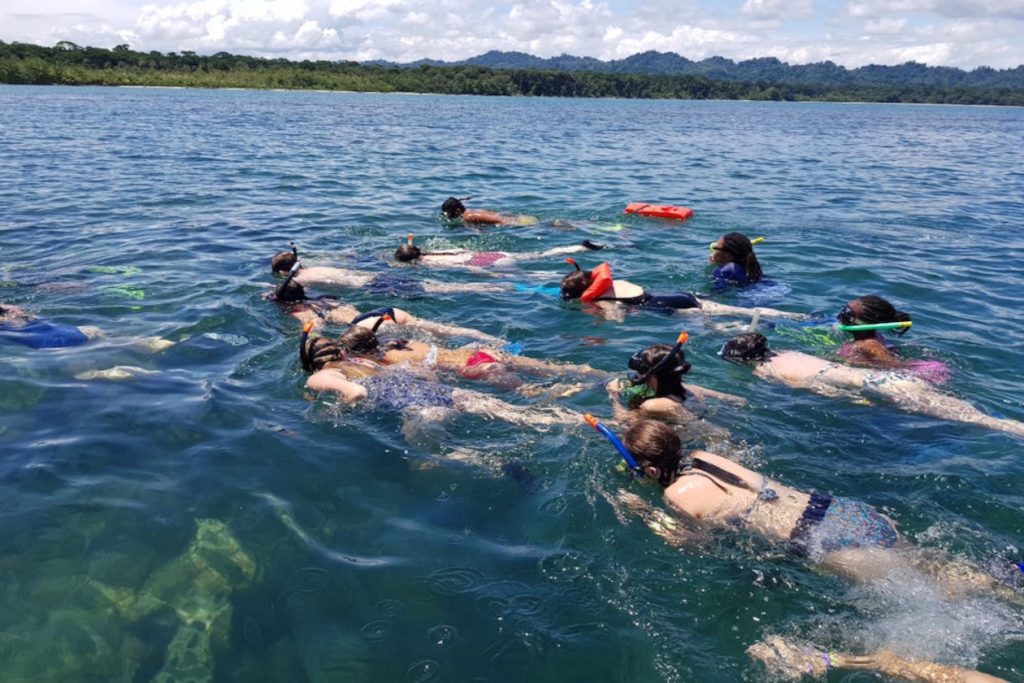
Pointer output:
619, 446
680, 340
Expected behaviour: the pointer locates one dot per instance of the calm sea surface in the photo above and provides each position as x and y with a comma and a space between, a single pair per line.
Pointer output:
206, 519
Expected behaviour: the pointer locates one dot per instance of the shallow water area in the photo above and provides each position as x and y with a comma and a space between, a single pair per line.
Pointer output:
190, 512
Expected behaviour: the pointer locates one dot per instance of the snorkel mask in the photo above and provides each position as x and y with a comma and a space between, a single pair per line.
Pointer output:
641, 371
848, 322
846, 316
283, 287
309, 354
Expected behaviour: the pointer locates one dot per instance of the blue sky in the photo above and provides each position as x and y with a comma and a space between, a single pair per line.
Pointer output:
961, 33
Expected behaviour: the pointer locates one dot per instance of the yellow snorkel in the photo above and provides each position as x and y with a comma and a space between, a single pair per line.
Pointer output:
756, 240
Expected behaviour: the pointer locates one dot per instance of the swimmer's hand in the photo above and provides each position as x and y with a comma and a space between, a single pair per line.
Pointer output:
614, 387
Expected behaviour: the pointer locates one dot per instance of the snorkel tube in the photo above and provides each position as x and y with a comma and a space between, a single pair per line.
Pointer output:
640, 378
287, 281
904, 324
619, 446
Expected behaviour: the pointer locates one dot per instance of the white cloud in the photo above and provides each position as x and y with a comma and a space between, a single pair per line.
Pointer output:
964, 33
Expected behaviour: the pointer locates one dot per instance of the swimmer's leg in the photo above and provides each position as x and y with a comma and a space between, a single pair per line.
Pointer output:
918, 396
795, 660
714, 308
488, 406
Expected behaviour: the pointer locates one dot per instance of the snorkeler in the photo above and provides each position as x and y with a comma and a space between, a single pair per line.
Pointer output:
737, 263
907, 391
21, 327
359, 379
655, 386
610, 296
400, 285
473, 362
454, 210
328, 310
845, 536
463, 258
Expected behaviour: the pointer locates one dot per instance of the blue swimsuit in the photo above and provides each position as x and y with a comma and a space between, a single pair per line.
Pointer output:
829, 524
39, 334
400, 392
731, 273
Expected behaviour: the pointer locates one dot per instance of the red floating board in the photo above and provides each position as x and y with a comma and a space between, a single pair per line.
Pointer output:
679, 213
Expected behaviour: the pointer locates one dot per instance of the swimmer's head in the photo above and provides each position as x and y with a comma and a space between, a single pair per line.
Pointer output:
453, 208
657, 450
576, 282
408, 251
289, 292
654, 367
747, 347
359, 339
317, 352
871, 310
735, 246
282, 261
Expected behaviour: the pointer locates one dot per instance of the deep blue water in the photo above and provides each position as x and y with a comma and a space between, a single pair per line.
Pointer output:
307, 543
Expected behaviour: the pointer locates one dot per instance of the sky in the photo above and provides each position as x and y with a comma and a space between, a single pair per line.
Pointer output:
852, 33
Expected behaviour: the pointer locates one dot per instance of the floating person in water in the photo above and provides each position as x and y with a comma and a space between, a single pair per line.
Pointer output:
907, 391
454, 210
611, 296
869, 347
355, 379
329, 310
21, 327
391, 284
463, 258
491, 364
845, 536
655, 387
737, 263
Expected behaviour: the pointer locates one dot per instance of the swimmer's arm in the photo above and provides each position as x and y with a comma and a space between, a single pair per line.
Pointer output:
656, 519
485, 217
446, 330
620, 413
714, 308
703, 393
335, 381
305, 315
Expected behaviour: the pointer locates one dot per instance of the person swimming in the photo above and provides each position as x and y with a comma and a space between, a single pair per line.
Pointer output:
286, 263
843, 535
454, 210
463, 258
737, 263
356, 379
907, 392
21, 327
599, 288
655, 386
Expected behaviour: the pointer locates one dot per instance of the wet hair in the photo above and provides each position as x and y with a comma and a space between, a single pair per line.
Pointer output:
670, 375
290, 292
282, 261
875, 309
317, 352
407, 252
738, 245
746, 347
453, 208
358, 339
575, 283
655, 444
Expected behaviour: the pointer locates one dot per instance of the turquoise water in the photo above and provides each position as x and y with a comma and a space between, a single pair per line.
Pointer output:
207, 519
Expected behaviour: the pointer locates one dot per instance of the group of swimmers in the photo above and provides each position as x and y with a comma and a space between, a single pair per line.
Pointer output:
848, 537
391, 359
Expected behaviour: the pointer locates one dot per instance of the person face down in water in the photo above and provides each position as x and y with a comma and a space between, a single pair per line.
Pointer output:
489, 364
408, 252
737, 263
454, 210
333, 368
834, 380
713, 494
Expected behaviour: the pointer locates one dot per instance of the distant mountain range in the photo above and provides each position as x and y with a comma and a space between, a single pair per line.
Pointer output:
764, 69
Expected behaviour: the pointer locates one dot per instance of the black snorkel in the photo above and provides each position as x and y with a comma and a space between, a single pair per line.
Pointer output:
287, 281
637, 377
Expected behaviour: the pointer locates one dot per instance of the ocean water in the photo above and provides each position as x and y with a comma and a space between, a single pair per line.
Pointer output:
206, 519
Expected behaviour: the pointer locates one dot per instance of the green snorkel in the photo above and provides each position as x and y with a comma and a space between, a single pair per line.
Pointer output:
902, 325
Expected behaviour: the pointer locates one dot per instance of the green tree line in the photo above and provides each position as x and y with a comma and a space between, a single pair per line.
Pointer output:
70, 64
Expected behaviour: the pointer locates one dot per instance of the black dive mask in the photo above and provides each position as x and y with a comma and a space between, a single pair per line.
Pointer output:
642, 371
846, 316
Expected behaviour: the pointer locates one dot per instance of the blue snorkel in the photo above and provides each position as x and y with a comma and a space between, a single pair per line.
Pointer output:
619, 446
